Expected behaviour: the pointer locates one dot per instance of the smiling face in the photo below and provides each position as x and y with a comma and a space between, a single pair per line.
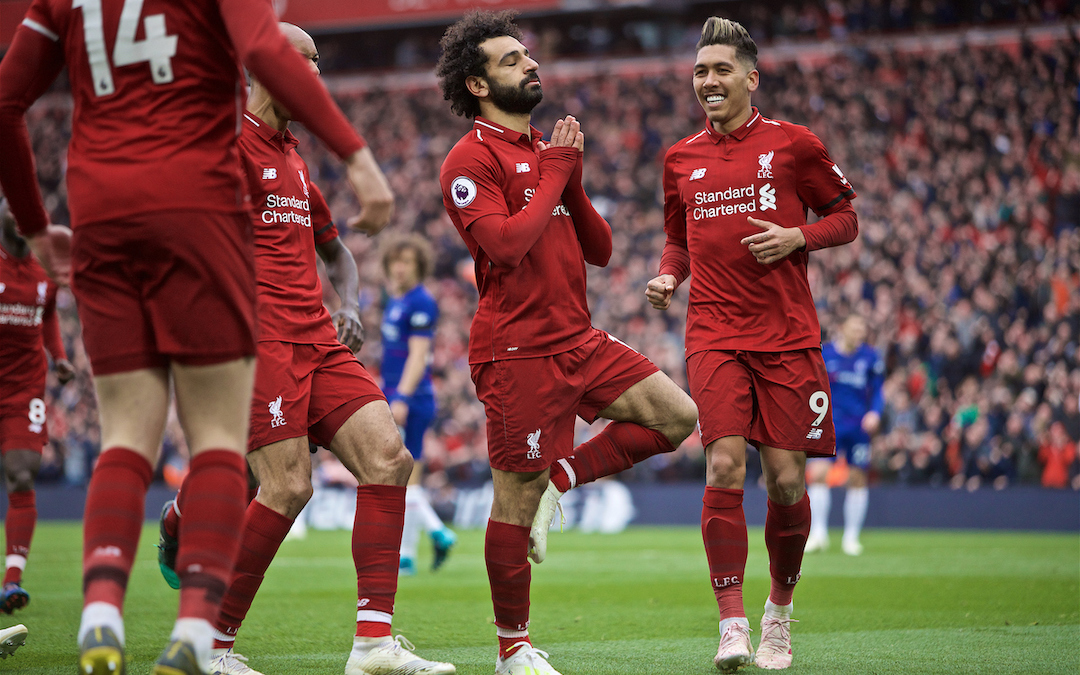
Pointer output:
511, 82
723, 85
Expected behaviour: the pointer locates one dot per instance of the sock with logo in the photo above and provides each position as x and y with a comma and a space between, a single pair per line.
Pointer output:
19, 530
506, 549
618, 447
213, 508
376, 542
263, 531
723, 528
115, 505
786, 529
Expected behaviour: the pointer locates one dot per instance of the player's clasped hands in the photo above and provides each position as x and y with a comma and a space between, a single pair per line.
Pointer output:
567, 134
775, 243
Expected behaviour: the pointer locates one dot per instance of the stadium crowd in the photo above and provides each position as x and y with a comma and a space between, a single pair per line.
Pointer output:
967, 267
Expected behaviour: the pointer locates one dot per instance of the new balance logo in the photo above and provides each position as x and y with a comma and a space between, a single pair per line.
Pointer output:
815, 434
534, 445
697, 173
768, 197
522, 167
275, 411
269, 174
362, 602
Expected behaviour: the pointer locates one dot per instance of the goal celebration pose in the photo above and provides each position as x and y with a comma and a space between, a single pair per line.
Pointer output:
517, 202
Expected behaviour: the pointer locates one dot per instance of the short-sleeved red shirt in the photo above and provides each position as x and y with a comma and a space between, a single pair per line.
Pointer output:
538, 308
767, 169
289, 217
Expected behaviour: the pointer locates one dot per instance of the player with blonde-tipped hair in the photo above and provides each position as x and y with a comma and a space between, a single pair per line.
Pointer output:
735, 200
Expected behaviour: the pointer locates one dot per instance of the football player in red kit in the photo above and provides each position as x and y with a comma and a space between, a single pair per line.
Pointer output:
538, 363
28, 327
735, 201
161, 259
309, 384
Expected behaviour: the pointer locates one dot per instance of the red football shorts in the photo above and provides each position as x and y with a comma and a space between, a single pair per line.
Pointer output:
531, 403
306, 390
22, 417
779, 399
166, 286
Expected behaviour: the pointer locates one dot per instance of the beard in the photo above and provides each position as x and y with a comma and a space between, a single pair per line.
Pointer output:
517, 100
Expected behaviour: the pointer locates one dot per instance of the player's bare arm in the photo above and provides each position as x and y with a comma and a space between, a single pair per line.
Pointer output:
343, 276
659, 291
775, 243
373, 191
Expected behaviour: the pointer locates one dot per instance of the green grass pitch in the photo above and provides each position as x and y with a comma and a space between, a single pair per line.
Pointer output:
632, 603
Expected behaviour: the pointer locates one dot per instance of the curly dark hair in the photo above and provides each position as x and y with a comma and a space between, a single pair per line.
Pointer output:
421, 248
462, 56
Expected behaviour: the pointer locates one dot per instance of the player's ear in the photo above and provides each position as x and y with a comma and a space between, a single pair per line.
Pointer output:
752, 80
477, 86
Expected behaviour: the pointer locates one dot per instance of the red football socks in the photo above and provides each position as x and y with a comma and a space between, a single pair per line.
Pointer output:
264, 530
618, 447
213, 511
376, 541
19, 530
115, 505
723, 528
786, 529
506, 549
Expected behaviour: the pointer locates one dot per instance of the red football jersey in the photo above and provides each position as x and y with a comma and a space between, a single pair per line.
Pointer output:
289, 217
158, 93
766, 169
539, 307
27, 322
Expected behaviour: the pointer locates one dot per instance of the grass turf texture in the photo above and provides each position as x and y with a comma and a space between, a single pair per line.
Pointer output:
633, 603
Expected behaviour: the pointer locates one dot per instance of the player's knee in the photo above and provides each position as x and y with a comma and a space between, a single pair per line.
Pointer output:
684, 417
401, 465
725, 469
786, 489
288, 493
20, 480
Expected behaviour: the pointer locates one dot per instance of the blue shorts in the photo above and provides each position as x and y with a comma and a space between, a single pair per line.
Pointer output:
421, 415
854, 444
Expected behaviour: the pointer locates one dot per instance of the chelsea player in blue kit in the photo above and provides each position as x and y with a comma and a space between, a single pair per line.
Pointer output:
856, 374
408, 329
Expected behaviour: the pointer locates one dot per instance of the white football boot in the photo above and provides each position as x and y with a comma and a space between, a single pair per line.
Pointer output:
774, 650
527, 660
735, 650
545, 513
391, 657
11, 639
228, 662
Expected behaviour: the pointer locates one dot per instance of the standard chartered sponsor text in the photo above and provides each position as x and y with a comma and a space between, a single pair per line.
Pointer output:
732, 193
273, 201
